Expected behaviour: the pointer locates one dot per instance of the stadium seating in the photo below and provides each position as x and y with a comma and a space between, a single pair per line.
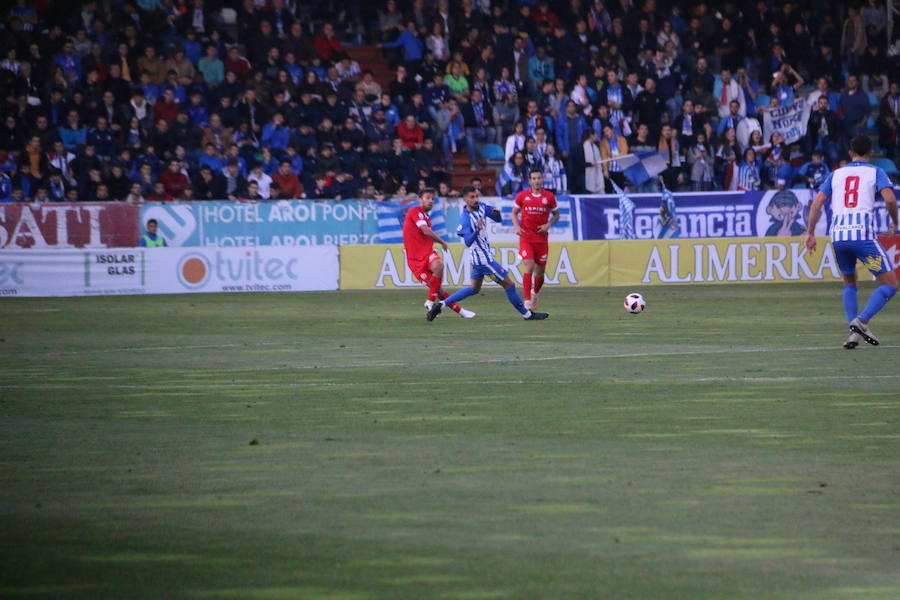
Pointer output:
240, 63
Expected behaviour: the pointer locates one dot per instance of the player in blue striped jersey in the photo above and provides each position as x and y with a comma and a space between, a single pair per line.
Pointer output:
852, 191
472, 230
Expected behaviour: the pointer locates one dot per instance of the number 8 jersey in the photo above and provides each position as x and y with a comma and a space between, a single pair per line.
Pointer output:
852, 191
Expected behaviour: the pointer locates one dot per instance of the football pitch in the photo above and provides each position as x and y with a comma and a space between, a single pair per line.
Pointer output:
722, 445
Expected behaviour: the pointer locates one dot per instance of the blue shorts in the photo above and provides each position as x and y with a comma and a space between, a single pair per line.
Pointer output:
493, 269
868, 252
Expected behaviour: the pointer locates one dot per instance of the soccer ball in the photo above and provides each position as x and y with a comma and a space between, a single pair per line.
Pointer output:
634, 303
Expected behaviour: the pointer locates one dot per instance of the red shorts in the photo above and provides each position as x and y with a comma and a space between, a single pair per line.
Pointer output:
536, 251
421, 267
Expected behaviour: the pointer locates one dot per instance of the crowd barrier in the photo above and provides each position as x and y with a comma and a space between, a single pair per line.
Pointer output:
632, 263
283, 223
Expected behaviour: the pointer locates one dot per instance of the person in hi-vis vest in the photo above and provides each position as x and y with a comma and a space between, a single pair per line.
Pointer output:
152, 239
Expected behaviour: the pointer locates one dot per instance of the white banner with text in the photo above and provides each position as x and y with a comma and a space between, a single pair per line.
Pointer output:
112, 272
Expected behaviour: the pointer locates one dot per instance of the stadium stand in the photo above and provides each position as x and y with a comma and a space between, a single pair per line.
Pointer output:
347, 99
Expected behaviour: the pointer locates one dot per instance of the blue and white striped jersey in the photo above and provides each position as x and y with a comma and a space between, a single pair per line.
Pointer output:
480, 252
852, 190
747, 177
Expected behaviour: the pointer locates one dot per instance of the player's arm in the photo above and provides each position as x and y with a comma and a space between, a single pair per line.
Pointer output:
466, 231
815, 211
890, 203
493, 213
883, 183
425, 229
554, 217
517, 227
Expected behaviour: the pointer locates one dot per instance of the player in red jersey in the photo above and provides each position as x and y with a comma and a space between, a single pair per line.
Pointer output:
533, 215
426, 264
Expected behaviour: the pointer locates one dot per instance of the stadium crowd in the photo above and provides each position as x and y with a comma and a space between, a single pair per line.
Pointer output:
212, 99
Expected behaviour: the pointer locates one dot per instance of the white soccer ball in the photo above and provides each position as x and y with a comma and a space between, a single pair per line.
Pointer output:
634, 303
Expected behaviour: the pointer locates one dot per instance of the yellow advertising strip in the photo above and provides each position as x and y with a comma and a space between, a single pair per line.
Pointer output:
617, 263
383, 266
721, 260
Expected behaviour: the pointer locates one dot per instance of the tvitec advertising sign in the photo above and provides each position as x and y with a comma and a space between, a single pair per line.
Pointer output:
167, 271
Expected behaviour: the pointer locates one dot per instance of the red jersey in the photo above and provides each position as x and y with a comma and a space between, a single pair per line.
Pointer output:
417, 244
535, 211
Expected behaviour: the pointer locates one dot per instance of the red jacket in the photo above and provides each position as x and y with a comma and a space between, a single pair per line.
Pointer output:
165, 110
326, 48
412, 138
174, 183
288, 185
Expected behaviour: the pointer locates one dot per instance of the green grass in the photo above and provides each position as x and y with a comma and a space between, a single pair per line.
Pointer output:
719, 446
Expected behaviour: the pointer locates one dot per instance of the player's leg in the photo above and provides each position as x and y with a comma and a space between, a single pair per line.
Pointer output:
502, 277
880, 265
851, 308
462, 312
845, 254
513, 296
436, 267
526, 252
540, 265
457, 296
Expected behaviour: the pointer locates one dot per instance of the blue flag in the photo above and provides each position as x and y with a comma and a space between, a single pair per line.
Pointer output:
667, 221
643, 166
626, 214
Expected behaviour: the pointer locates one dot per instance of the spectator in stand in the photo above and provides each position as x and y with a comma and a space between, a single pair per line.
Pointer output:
135, 195
287, 182
253, 192
855, 106
411, 133
262, 180
159, 193
514, 176
174, 181
823, 132
411, 44
612, 146
211, 66
747, 176
569, 135
326, 44
275, 135
479, 126
814, 172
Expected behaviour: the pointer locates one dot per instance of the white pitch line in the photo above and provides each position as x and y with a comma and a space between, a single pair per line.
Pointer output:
138, 348
190, 386
718, 350
555, 358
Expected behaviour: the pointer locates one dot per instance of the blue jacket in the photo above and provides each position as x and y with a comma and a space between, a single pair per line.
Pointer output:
5, 188
412, 45
73, 139
276, 138
562, 132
